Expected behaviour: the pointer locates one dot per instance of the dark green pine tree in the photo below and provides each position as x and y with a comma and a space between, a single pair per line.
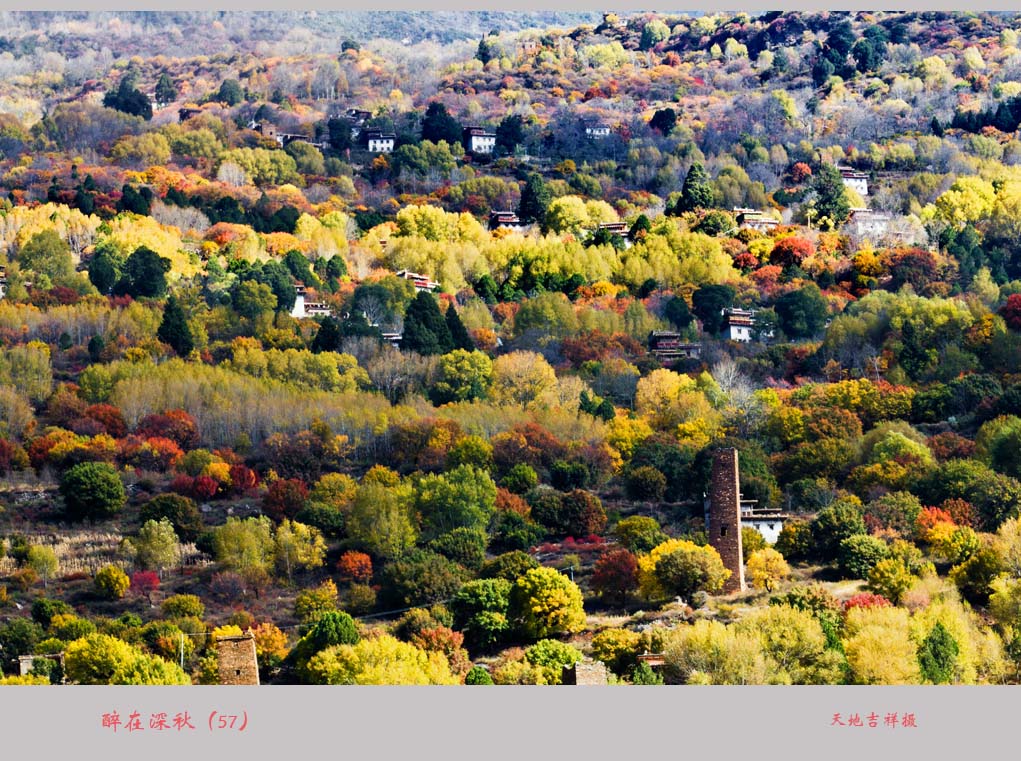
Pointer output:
328, 337
144, 274
677, 312
641, 227
174, 328
458, 332
439, 125
937, 655
425, 330
165, 90
104, 271
697, 192
708, 303
535, 199
831, 194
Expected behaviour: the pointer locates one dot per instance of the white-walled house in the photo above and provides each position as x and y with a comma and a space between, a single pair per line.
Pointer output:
380, 142
855, 180
479, 140
753, 219
303, 308
738, 325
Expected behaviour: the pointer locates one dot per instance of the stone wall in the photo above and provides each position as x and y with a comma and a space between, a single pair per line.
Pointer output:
725, 516
236, 660
584, 673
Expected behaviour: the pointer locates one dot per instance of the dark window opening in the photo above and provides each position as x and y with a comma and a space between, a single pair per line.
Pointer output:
723, 530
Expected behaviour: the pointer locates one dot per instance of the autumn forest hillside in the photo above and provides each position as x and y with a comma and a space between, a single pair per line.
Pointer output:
404, 343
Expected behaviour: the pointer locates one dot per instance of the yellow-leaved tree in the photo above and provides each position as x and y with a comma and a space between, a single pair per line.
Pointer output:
767, 568
879, 647
382, 660
680, 567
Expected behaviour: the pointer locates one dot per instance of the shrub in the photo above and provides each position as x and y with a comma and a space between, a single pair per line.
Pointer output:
205, 487
463, 545
544, 602
509, 566
311, 604
645, 484
699, 600
642, 674
520, 479
25, 578
354, 566
477, 675
242, 619
616, 574
181, 511
617, 648
639, 533
551, 656
859, 554
145, 583
182, 606
891, 579
866, 600
228, 586
111, 582
91, 491
360, 599
284, 498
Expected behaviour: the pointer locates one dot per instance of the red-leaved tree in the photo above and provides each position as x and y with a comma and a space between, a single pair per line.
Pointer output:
284, 498
109, 417
173, 424
242, 478
145, 583
1011, 311
616, 573
205, 487
791, 252
354, 566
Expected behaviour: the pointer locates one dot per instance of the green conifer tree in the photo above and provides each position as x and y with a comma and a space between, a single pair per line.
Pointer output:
937, 655
458, 332
425, 330
174, 328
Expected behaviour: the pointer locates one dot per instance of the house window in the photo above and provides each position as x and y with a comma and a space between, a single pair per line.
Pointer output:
723, 530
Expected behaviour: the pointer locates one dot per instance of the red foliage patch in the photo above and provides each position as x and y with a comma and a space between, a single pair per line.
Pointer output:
109, 417
354, 566
866, 600
177, 425
284, 498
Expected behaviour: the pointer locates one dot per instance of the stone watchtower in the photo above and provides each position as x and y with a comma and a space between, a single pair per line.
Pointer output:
725, 517
236, 659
